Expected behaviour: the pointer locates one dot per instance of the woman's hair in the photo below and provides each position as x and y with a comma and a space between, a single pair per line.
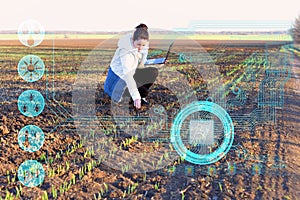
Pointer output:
141, 32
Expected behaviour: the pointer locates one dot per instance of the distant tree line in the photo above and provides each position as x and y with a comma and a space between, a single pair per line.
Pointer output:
296, 30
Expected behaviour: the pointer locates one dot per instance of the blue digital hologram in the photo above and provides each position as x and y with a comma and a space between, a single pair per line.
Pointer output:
31, 33
159, 109
228, 132
31, 173
171, 171
189, 170
128, 121
201, 132
271, 91
31, 138
211, 170
231, 168
31, 68
239, 98
236, 90
182, 58
31, 103
256, 169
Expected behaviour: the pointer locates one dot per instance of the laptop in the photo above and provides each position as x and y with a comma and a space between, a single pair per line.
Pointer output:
157, 61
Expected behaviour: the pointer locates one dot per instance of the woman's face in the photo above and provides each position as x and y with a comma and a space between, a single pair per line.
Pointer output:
140, 44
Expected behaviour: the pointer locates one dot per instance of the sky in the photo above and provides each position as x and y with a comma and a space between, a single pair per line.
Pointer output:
124, 15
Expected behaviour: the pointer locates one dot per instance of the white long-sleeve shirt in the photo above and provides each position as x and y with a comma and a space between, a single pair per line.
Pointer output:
126, 60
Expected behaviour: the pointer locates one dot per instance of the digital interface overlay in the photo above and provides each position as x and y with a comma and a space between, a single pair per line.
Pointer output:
205, 106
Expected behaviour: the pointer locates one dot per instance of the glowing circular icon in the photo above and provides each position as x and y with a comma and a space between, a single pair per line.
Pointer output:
159, 109
228, 129
31, 68
31, 173
31, 103
31, 138
236, 90
31, 33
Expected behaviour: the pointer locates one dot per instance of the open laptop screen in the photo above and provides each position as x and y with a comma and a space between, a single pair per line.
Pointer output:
156, 61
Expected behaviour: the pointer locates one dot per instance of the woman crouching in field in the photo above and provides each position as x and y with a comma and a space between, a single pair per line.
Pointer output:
127, 75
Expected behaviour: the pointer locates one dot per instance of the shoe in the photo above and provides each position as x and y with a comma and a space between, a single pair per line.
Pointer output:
144, 101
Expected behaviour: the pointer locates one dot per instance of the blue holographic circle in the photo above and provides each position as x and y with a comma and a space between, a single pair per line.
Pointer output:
31, 173
228, 132
31, 103
31, 33
25, 65
35, 137
236, 90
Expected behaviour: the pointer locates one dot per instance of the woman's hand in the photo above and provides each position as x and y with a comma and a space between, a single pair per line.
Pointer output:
137, 103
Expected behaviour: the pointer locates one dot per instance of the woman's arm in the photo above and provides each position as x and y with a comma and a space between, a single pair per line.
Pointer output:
128, 66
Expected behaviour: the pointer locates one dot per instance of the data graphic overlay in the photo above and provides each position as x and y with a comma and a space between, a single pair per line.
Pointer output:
93, 148
31, 68
152, 126
31, 33
31, 138
201, 132
203, 135
31, 173
31, 103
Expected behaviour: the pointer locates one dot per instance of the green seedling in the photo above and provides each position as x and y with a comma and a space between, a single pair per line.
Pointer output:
95, 197
92, 134
61, 189
57, 156
124, 193
14, 178
45, 196
153, 163
9, 196
135, 161
8, 177
18, 192
101, 191
51, 172
81, 173
182, 195
73, 179
156, 186
59, 169
132, 188
106, 187
50, 160
220, 186
67, 186
67, 165
90, 166
43, 157
80, 144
